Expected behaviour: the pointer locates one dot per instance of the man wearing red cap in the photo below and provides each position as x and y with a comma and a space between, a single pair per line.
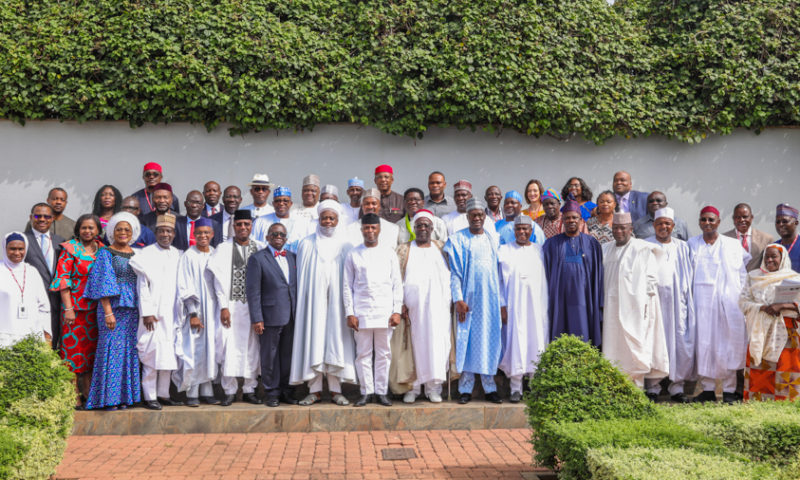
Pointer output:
719, 275
391, 202
152, 176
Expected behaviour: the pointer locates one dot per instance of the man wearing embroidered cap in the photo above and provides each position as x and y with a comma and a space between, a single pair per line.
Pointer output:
152, 176
162, 203
298, 226
457, 219
351, 209
719, 275
310, 197
506, 229
156, 268
391, 202
371, 203
413, 203
329, 192
474, 285
786, 225
260, 187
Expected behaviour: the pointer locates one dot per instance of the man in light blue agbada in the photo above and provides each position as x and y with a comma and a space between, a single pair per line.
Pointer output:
512, 206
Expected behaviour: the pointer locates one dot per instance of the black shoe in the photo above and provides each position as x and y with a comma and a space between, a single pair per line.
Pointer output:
465, 398
384, 400
287, 398
192, 402
493, 397
731, 397
515, 397
362, 400
251, 398
210, 400
168, 402
272, 402
152, 405
679, 398
226, 402
706, 396
653, 397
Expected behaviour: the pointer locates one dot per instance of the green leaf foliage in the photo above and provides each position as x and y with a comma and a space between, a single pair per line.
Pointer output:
681, 68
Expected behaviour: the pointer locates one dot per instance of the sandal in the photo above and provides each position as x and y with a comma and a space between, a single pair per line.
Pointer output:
340, 400
311, 399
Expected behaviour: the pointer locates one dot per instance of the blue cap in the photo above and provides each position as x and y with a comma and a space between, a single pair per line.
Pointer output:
281, 192
514, 195
203, 222
15, 236
355, 182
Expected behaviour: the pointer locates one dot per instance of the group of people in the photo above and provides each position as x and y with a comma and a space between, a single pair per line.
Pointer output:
397, 293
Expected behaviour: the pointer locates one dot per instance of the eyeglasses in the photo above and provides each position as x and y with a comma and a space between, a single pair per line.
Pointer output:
39, 217
277, 234
260, 189
151, 174
707, 220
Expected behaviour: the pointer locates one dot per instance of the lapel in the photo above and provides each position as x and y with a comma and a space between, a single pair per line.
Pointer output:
274, 263
35, 254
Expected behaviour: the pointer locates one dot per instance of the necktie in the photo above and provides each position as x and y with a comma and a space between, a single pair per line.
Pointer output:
282, 253
192, 241
45, 244
744, 242
213, 211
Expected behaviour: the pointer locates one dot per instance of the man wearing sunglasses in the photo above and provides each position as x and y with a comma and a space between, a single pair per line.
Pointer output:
152, 176
260, 186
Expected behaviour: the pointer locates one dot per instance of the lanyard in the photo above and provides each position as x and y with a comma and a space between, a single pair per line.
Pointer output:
789, 250
147, 197
24, 277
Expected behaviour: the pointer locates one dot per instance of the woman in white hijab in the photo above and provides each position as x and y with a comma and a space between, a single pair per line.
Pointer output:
24, 306
773, 354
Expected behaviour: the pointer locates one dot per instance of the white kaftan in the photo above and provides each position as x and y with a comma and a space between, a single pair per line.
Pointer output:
14, 278
387, 237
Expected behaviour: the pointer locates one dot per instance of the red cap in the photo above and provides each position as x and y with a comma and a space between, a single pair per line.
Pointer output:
163, 186
384, 169
709, 209
152, 166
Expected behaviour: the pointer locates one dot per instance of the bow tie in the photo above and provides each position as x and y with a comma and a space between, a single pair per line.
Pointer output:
282, 253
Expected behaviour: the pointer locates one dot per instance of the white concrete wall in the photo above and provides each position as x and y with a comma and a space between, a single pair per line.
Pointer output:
763, 170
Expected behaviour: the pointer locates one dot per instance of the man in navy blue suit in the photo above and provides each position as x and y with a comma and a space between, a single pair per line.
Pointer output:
272, 300
184, 230
629, 201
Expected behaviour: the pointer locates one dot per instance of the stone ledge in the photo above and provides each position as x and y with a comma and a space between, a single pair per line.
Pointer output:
324, 417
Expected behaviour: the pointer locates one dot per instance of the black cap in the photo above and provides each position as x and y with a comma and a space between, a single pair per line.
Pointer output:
242, 215
370, 219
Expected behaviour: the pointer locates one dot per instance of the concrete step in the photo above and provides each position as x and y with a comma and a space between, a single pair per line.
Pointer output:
327, 417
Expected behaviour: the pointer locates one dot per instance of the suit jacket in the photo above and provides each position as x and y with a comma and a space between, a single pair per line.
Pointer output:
205, 210
637, 204
270, 298
149, 219
181, 240
758, 242
144, 205
35, 258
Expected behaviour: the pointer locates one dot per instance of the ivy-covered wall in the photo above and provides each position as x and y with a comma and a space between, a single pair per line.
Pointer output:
680, 68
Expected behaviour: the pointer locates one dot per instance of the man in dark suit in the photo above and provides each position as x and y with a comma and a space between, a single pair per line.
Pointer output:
163, 203
272, 300
43, 251
152, 176
212, 193
184, 226
231, 199
752, 240
628, 200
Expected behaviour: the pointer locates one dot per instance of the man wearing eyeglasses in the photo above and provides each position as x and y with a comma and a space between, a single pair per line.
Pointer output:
185, 225
260, 187
152, 176
44, 248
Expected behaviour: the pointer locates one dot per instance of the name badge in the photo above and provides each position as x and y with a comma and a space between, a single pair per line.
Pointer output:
22, 311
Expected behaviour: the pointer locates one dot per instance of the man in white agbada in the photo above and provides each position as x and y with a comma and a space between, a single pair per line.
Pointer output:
156, 268
199, 334
426, 306
373, 300
523, 292
297, 226
323, 345
677, 306
719, 276
24, 304
633, 333
351, 208
310, 198
457, 219
239, 356
371, 203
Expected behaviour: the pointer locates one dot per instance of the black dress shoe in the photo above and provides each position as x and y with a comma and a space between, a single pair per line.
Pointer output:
493, 397
192, 402
168, 402
152, 405
653, 397
251, 398
226, 402
706, 396
679, 398
731, 397
384, 400
287, 398
515, 397
465, 398
362, 400
210, 400
272, 402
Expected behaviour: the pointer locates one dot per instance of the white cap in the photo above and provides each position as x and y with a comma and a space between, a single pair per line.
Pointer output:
664, 212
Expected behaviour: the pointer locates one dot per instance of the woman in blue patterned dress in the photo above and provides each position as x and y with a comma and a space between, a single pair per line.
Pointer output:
115, 379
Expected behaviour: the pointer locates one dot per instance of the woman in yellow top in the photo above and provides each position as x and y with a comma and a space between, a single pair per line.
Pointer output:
533, 194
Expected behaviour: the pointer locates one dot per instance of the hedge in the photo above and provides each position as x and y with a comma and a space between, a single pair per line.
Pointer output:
680, 68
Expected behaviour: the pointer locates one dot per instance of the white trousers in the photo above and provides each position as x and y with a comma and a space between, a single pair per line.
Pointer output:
728, 382
653, 385
155, 383
204, 389
315, 384
231, 384
430, 387
516, 383
369, 340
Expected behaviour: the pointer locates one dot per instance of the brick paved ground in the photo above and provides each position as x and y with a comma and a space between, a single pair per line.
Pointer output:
498, 454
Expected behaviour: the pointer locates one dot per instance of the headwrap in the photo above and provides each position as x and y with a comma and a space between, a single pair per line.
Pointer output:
462, 185
550, 193
204, 222
371, 192
355, 182
330, 189
784, 209
331, 205
282, 192
163, 186
475, 204
383, 169
523, 220
152, 166
622, 218
513, 194
10, 237
665, 212
167, 220
128, 218
242, 215
709, 209
571, 206
370, 219
422, 213
311, 180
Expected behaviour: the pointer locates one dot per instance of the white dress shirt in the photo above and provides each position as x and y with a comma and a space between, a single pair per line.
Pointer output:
282, 262
48, 251
624, 202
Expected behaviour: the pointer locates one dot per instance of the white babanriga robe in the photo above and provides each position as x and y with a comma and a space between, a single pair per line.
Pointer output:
35, 301
197, 354
523, 289
349, 214
239, 352
677, 307
387, 238
426, 294
322, 341
719, 276
157, 284
633, 332
297, 226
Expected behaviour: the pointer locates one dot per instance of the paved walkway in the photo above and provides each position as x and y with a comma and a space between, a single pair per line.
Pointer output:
498, 454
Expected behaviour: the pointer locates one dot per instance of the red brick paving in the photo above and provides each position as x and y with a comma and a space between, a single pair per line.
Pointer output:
498, 454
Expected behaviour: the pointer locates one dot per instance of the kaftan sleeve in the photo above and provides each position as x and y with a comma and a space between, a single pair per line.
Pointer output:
539, 236
147, 303
347, 287
397, 285
42, 306
456, 272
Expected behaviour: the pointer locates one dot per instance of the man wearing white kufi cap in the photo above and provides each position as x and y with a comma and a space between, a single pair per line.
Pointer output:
677, 305
323, 345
